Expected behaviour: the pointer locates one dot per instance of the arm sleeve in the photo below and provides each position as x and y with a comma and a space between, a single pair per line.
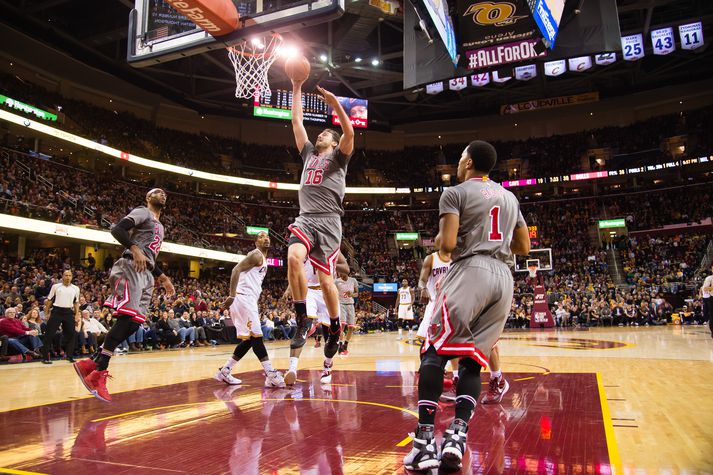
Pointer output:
450, 202
306, 150
120, 231
157, 271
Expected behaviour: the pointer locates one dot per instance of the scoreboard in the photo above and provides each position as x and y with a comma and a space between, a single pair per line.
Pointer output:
277, 104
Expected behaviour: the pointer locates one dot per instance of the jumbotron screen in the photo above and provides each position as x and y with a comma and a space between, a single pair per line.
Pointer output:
277, 104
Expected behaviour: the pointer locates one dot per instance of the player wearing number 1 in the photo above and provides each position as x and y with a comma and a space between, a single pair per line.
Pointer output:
317, 231
132, 280
482, 227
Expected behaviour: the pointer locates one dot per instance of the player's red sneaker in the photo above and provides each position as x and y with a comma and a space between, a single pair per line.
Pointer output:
496, 390
96, 383
317, 344
84, 368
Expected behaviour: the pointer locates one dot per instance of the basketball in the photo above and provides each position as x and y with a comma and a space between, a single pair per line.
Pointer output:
297, 68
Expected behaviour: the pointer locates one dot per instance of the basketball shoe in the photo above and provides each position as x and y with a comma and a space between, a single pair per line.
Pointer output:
224, 375
343, 350
84, 368
274, 379
96, 383
326, 376
496, 390
453, 446
424, 453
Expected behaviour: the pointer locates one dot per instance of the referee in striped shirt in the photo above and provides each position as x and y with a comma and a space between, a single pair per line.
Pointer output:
63, 299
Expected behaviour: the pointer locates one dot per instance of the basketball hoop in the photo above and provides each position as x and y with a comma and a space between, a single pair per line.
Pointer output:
252, 60
532, 269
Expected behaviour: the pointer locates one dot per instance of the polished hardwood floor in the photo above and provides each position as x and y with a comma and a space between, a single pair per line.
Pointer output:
621, 400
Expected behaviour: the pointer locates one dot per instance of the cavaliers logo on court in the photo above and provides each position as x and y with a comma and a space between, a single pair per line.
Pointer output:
493, 14
568, 343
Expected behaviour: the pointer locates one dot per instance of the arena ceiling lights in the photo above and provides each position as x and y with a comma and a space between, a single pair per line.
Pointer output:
95, 236
167, 167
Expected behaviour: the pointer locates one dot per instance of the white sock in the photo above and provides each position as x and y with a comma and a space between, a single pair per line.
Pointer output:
267, 366
293, 363
410, 333
327, 361
401, 332
496, 374
229, 364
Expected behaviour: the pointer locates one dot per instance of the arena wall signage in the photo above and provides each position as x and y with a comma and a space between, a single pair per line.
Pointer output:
549, 103
169, 168
255, 230
407, 236
612, 223
28, 109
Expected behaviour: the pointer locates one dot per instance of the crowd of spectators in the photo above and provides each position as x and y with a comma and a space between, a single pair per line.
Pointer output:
412, 166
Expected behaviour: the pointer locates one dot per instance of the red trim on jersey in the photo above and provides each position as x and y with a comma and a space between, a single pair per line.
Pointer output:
134, 314
329, 267
301, 236
445, 347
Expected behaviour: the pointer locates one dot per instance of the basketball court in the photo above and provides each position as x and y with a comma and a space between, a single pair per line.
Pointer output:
600, 401
581, 401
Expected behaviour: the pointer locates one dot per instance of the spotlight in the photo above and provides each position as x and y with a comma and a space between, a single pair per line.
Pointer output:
357, 59
374, 62
323, 58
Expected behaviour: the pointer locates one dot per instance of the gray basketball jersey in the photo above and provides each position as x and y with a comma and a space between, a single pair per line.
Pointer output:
323, 181
147, 233
488, 216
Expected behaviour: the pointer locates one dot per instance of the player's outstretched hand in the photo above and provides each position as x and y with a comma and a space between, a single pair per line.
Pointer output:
228, 302
166, 283
328, 97
140, 259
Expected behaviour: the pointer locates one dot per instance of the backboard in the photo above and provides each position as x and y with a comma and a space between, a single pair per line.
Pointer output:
158, 33
544, 256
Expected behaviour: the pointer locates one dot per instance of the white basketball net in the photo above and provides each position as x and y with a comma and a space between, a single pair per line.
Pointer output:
252, 60
532, 270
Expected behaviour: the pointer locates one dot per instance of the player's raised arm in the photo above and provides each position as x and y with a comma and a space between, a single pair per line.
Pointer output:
346, 142
298, 127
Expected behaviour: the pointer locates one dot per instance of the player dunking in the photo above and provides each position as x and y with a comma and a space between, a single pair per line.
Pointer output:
317, 231
245, 289
404, 309
482, 227
132, 280
317, 314
348, 291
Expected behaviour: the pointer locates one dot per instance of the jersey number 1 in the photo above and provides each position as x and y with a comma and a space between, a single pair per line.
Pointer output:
495, 234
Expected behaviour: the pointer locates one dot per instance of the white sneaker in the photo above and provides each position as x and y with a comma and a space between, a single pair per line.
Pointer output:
224, 375
326, 377
274, 379
290, 378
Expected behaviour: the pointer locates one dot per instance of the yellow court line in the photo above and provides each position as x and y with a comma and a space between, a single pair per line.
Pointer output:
405, 442
612, 448
19, 472
524, 379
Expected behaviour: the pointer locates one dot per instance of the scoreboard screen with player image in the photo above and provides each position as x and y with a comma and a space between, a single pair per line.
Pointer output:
277, 104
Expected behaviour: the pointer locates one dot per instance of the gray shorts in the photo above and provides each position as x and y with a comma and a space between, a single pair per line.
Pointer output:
347, 314
132, 290
471, 309
322, 236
